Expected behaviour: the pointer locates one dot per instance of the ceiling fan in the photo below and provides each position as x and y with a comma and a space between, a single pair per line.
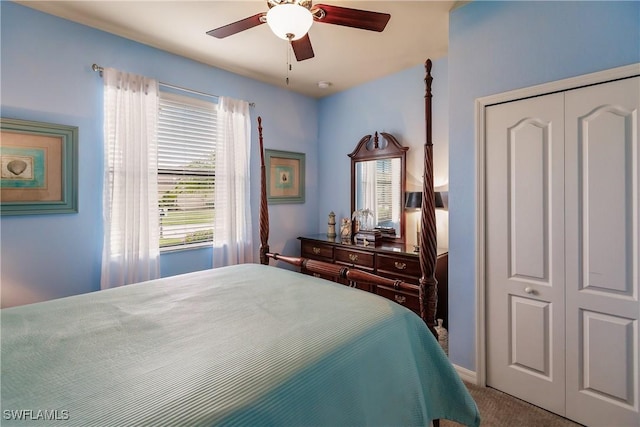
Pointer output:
291, 20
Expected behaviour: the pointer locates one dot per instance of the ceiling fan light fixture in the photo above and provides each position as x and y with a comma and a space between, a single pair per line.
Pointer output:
289, 21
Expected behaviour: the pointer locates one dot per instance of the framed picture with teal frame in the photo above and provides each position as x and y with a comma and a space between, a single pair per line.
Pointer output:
285, 176
39, 168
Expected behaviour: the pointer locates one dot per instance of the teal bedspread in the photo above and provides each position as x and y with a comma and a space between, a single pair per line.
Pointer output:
241, 345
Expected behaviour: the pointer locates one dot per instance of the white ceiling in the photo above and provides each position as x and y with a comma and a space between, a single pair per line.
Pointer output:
344, 56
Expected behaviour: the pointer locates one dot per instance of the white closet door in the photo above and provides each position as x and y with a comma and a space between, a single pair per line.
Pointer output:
602, 253
525, 250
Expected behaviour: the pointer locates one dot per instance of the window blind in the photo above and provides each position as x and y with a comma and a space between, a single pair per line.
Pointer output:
186, 170
384, 190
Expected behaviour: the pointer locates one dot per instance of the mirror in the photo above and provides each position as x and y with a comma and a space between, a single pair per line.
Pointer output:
378, 183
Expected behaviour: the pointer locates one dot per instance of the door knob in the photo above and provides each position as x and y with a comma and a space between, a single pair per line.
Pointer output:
529, 290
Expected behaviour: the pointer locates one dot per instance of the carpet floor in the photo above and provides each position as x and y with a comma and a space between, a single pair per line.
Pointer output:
498, 409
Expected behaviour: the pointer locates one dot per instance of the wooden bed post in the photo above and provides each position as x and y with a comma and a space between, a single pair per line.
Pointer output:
428, 244
264, 209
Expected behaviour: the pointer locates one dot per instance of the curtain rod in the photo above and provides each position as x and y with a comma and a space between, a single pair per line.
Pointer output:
96, 67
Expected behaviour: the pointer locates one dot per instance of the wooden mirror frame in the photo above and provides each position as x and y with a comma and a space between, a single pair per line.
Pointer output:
392, 150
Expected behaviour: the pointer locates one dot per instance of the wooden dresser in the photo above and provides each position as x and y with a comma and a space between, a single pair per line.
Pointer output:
392, 260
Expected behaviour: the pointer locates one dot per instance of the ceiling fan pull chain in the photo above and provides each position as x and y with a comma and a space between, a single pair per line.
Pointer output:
290, 36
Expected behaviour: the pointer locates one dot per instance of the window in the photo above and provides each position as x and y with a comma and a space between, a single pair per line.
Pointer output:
186, 170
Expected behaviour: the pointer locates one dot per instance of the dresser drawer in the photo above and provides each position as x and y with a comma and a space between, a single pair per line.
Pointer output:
408, 299
405, 267
354, 257
397, 276
315, 250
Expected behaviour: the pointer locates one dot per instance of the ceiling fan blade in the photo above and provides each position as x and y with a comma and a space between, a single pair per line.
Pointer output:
302, 48
355, 18
238, 26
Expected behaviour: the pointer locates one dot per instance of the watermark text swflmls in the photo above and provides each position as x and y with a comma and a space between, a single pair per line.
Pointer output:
35, 414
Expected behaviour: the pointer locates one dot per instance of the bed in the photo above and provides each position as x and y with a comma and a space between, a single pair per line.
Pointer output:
248, 344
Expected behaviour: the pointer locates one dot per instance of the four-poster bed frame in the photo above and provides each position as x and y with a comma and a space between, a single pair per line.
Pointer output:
428, 244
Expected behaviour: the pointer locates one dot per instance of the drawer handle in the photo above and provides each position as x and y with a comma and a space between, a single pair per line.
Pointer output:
353, 257
316, 250
400, 299
400, 265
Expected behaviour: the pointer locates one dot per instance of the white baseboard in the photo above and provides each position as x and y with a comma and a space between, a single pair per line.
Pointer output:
466, 374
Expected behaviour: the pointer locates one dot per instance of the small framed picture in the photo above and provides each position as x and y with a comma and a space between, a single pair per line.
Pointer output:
39, 168
285, 176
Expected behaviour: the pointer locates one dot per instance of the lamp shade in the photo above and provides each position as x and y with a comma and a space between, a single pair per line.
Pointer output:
289, 21
413, 200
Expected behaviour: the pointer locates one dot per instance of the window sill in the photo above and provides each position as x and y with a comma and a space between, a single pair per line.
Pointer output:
181, 248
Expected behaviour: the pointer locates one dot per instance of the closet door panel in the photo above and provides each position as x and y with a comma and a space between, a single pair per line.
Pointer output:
602, 337
602, 253
604, 157
525, 250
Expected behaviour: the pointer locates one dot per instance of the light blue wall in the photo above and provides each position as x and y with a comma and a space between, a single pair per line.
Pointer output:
46, 76
500, 46
393, 104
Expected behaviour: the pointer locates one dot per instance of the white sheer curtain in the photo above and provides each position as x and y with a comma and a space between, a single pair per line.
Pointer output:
130, 194
370, 192
232, 242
